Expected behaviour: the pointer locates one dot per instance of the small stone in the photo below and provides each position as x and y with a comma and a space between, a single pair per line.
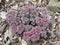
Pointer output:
0, 39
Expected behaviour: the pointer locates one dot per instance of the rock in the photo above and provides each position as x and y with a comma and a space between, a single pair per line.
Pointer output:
54, 5
9, 37
3, 15
57, 43
23, 42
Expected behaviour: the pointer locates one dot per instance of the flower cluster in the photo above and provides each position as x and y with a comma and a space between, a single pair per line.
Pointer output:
42, 21
33, 34
31, 22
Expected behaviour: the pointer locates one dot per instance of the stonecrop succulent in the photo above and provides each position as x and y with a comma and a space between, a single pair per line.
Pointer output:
31, 22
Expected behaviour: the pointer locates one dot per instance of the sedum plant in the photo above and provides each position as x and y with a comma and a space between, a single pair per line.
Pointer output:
31, 22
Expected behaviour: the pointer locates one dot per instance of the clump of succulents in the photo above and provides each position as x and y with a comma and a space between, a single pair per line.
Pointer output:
31, 22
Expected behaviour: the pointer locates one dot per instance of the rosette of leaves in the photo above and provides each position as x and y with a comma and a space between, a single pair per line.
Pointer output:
31, 22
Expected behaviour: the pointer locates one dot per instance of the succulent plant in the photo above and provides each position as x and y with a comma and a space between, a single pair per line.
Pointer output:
29, 16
